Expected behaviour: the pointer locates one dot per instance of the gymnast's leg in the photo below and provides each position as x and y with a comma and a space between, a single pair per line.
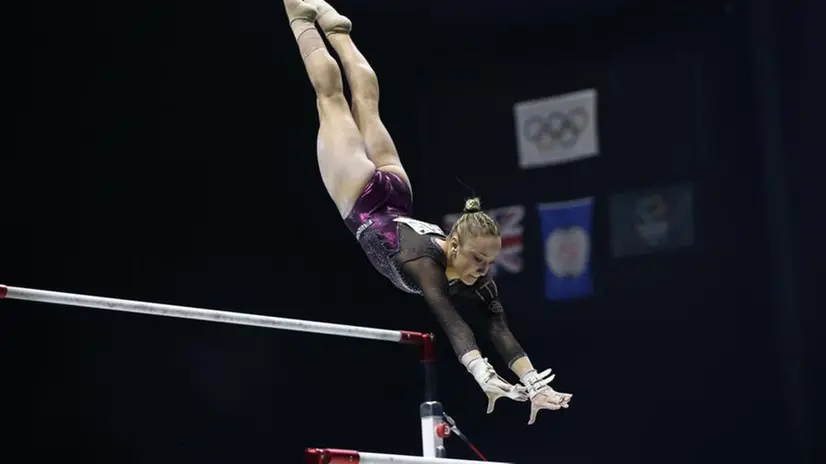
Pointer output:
342, 157
364, 90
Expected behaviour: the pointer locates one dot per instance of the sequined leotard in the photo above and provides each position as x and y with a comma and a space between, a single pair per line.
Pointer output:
406, 252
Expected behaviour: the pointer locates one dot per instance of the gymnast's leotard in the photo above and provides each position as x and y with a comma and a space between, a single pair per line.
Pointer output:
405, 251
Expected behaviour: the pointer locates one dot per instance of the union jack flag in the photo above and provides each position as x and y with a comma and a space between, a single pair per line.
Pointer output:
509, 219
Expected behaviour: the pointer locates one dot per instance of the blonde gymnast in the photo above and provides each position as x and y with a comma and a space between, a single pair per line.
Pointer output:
364, 176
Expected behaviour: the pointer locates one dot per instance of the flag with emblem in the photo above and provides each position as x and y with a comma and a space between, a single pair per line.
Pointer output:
509, 219
566, 232
652, 220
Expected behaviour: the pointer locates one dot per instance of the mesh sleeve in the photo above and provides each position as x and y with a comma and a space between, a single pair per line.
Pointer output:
502, 337
430, 276
500, 334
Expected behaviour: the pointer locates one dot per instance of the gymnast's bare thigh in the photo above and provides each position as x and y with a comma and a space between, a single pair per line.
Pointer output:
342, 156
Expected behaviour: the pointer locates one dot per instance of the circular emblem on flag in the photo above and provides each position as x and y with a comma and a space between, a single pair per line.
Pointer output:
652, 224
567, 250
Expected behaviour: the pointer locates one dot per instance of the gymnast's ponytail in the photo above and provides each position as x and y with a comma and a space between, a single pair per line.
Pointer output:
472, 205
474, 222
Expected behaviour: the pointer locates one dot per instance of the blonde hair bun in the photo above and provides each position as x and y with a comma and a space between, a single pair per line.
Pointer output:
473, 205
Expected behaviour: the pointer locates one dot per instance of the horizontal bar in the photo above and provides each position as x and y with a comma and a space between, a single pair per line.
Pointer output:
337, 456
224, 317
375, 458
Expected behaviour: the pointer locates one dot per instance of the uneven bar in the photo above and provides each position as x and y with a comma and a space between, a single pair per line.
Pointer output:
430, 412
337, 456
224, 317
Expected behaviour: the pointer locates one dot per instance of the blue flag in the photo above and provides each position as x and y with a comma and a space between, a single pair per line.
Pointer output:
566, 231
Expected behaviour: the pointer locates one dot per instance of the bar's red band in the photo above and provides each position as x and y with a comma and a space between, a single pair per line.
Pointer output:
422, 339
414, 338
3, 291
330, 456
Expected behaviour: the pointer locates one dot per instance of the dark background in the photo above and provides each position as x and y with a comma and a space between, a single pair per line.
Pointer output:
165, 151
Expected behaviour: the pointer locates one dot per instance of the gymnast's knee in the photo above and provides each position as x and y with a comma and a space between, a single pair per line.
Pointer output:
332, 106
365, 109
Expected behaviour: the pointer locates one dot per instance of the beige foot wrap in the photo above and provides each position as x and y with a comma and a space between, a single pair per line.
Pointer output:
330, 21
302, 18
298, 10
309, 41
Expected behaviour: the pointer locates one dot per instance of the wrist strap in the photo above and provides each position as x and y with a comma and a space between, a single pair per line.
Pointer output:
478, 368
533, 379
529, 377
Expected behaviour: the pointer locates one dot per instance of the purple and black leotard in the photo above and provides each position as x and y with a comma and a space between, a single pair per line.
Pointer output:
407, 253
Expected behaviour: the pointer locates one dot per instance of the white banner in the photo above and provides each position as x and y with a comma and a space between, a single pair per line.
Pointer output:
557, 130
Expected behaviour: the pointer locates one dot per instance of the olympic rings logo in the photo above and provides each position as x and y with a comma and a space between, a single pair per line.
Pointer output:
556, 129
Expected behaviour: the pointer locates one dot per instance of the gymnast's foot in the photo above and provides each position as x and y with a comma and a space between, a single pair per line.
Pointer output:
300, 12
329, 19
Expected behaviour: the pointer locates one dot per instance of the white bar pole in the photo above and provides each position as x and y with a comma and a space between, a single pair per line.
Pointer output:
433, 445
375, 458
224, 317
342, 456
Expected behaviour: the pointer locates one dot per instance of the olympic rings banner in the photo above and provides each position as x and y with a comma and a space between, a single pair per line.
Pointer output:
557, 130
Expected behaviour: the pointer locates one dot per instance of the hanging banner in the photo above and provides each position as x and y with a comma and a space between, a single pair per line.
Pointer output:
557, 130
652, 220
566, 232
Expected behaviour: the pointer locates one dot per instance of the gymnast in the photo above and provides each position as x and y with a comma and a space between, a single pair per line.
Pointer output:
362, 173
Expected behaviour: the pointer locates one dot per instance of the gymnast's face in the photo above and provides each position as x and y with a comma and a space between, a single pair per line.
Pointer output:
472, 257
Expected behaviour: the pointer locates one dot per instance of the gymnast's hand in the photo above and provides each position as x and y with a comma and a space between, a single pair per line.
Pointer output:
493, 385
543, 396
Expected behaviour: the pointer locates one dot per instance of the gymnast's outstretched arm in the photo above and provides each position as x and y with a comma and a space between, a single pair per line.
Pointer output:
541, 395
430, 277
